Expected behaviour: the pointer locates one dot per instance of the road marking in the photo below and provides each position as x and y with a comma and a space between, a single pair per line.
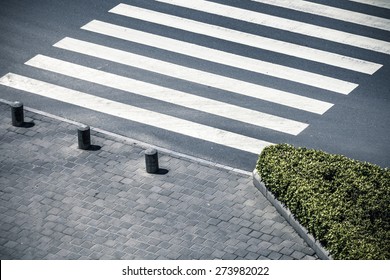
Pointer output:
331, 12
135, 114
167, 95
378, 3
248, 39
285, 24
196, 76
221, 57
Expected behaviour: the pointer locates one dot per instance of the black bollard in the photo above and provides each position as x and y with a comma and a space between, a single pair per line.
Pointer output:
17, 113
84, 137
151, 160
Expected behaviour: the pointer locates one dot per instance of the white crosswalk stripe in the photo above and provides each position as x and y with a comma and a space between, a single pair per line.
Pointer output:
132, 113
168, 95
197, 76
129, 87
285, 24
248, 39
378, 3
331, 12
221, 57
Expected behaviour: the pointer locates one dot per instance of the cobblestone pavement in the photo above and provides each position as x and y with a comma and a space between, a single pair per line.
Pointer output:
60, 202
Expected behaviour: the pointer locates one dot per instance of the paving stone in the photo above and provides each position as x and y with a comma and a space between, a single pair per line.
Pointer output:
285, 257
303, 248
229, 256
103, 205
241, 252
245, 230
286, 251
297, 255
307, 257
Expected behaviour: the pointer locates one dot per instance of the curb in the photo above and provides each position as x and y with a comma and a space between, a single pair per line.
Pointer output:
321, 252
124, 139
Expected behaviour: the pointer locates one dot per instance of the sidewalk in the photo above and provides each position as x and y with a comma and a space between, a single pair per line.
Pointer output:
60, 202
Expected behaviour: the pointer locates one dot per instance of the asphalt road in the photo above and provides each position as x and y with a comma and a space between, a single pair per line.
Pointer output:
357, 125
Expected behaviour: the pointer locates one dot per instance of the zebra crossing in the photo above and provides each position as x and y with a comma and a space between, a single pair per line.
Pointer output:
247, 39
285, 24
201, 51
193, 75
220, 57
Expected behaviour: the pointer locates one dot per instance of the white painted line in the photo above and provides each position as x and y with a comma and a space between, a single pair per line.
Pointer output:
167, 95
378, 3
221, 57
131, 141
331, 12
285, 24
248, 39
106, 106
196, 76
6, 102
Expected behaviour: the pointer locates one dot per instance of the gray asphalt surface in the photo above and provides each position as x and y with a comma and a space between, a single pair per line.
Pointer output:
356, 126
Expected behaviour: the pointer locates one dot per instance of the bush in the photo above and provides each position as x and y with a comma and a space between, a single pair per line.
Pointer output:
342, 202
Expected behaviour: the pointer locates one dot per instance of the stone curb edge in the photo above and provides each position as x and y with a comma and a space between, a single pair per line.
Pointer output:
321, 252
128, 140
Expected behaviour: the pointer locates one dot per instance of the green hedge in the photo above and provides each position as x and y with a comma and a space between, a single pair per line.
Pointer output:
343, 203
